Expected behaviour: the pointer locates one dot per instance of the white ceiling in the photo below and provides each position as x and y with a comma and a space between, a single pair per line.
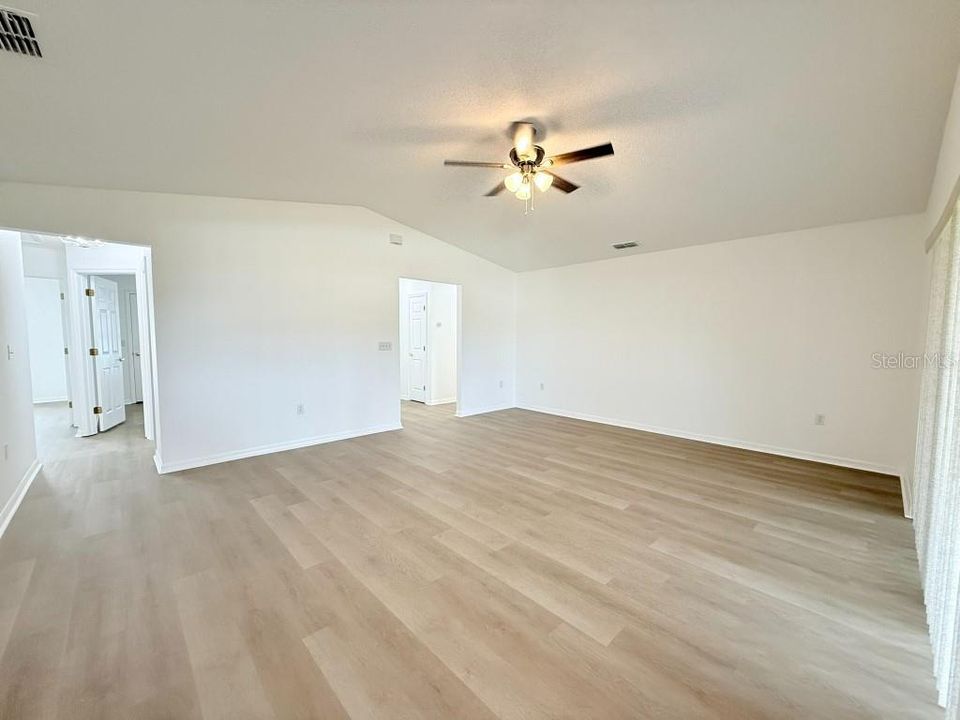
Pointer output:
729, 119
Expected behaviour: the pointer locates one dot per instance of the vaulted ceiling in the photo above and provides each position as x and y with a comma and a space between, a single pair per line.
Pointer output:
728, 119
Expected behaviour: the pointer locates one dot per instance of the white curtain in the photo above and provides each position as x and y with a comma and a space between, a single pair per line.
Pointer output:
937, 475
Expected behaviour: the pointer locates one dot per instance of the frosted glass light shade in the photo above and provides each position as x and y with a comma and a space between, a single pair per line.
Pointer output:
543, 181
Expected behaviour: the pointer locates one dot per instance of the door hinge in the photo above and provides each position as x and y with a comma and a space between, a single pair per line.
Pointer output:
97, 410
70, 404
66, 351
94, 351
89, 292
61, 296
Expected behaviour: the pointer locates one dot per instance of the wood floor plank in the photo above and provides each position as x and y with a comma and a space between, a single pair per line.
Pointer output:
225, 675
508, 565
300, 543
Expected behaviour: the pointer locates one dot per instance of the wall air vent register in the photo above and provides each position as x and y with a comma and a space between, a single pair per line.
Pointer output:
17, 34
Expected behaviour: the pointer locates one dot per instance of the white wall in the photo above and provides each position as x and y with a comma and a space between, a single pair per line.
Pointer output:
742, 342
48, 370
43, 261
18, 450
263, 305
441, 339
443, 349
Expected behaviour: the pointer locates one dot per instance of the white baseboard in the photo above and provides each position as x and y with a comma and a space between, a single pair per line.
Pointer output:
443, 401
164, 467
6, 515
728, 442
906, 494
481, 411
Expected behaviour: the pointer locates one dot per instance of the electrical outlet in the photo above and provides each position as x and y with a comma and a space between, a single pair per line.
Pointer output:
385, 346
299, 408
501, 383
819, 419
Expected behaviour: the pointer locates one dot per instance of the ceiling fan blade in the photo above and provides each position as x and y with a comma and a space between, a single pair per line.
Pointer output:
562, 185
467, 163
496, 191
580, 155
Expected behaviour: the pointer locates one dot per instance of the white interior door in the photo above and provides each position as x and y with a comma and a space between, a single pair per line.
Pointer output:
132, 361
108, 362
417, 346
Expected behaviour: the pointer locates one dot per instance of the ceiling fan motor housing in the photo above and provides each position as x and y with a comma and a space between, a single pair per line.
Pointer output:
530, 163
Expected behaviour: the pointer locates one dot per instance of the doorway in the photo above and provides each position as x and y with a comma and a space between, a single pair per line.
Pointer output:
429, 341
104, 302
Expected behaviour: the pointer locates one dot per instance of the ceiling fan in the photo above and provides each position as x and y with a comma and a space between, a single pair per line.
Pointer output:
532, 166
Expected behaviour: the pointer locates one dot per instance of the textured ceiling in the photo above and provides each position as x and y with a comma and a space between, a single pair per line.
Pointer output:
728, 119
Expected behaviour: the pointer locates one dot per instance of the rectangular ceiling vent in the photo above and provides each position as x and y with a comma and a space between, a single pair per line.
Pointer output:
17, 35
396, 239
625, 245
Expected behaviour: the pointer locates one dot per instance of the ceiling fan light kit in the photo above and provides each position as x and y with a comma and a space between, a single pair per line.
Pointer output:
531, 166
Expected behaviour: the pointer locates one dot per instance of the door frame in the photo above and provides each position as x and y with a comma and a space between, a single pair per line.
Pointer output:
83, 374
399, 359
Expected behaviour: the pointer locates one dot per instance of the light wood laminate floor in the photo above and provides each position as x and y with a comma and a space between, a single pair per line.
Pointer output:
509, 565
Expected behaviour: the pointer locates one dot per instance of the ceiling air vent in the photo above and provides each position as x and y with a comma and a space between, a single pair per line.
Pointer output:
625, 245
396, 239
17, 35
